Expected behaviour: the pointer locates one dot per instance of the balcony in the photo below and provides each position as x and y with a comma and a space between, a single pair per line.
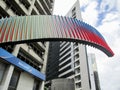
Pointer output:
43, 3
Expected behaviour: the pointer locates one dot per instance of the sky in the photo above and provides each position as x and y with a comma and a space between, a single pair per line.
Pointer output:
104, 15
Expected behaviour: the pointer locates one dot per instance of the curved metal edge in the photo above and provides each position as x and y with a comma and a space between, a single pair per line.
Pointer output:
109, 52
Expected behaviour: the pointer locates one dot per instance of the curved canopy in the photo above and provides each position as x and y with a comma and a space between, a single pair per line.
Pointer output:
21, 29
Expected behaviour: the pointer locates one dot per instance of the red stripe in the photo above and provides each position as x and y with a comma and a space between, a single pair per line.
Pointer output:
71, 27
78, 30
13, 30
56, 21
68, 28
17, 31
64, 27
31, 32
26, 30
80, 33
2, 35
8, 31
21, 32
60, 26
2, 26
90, 36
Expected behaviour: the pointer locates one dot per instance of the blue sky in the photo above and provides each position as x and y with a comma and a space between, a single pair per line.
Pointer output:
104, 15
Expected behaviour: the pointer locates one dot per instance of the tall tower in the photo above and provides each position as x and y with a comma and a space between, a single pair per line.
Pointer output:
33, 54
93, 72
72, 61
77, 59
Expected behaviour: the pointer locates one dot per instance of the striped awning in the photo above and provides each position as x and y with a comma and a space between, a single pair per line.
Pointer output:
21, 29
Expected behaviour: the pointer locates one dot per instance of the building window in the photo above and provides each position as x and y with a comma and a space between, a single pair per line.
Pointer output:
77, 77
65, 69
26, 57
77, 70
78, 85
14, 80
74, 12
44, 43
76, 50
67, 50
77, 63
33, 12
36, 84
25, 3
65, 63
37, 49
76, 56
2, 71
9, 48
65, 57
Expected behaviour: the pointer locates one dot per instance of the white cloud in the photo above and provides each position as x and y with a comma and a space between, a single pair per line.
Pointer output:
107, 5
109, 74
109, 81
112, 16
109, 68
61, 7
110, 27
84, 2
118, 5
90, 15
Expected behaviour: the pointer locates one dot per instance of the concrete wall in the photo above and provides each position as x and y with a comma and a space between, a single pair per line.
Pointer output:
25, 82
78, 12
62, 84
84, 68
6, 78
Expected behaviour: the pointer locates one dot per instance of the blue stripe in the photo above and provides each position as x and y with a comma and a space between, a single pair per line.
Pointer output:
91, 29
19, 63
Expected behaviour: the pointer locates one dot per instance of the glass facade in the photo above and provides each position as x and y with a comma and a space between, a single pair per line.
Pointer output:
2, 70
14, 80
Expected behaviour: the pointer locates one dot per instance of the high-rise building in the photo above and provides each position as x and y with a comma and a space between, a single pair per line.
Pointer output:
73, 64
93, 72
30, 55
73, 60
25, 7
73, 57
53, 57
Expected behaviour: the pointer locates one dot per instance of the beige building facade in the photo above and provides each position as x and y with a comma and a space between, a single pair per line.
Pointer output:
32, 54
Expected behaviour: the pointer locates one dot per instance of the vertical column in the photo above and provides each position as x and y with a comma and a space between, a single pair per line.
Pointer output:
9, 71
84, 68
42, 85
91, 72
45, 58
31, 7
26, 82
7, 77
72, 56
43, 70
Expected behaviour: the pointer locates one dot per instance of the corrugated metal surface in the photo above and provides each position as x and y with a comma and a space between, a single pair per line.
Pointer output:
22, 28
